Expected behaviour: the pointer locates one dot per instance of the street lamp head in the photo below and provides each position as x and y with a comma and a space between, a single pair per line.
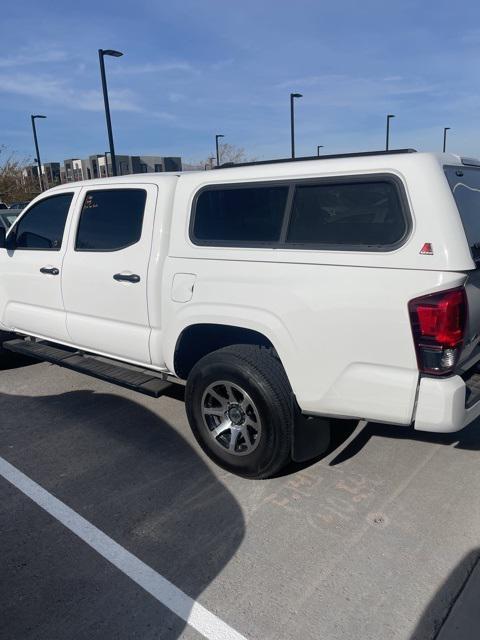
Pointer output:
111, 52
38, 116
296, 95
390, 115
446, 128
219, 135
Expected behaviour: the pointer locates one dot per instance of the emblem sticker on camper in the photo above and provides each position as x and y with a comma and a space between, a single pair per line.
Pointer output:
427, 249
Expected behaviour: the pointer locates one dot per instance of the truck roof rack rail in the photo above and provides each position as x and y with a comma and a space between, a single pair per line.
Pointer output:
470, 162
357, 154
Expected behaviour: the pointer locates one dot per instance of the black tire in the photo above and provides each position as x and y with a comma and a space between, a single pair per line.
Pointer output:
256, 371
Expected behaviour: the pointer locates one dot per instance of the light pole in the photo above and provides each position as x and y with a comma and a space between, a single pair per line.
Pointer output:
292, 120
219, 135
106, 162
445, 129
115, 54
319, 146
37, 151
387, 141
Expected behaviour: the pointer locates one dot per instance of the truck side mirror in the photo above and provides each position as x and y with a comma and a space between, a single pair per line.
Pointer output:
3, 241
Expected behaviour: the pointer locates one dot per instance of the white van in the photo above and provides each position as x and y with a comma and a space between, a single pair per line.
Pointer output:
342, 287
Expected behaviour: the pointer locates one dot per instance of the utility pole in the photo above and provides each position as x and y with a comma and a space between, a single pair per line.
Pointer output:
387, 141
292, 121
37, 150
101, 54
445, 129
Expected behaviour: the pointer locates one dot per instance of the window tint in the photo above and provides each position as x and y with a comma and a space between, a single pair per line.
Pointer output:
352, 214
42, 225
111, 219
465, 186
240, 215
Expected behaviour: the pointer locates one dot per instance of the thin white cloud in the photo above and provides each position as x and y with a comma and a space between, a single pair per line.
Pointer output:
471, 37
173, 96
344, 91
390, 84
307, 81
151, 67
26, 59
221, 64
58, 92
161, 115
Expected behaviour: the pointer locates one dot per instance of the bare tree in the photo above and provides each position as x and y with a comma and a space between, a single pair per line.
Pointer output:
231, 153
227, 152
14, 186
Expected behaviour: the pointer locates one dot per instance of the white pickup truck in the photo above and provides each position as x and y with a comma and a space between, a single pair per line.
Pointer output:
344, 287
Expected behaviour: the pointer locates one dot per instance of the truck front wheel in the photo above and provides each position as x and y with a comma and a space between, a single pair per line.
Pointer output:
238, 402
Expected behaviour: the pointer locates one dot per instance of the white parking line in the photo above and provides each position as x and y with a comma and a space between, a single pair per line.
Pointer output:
205, 622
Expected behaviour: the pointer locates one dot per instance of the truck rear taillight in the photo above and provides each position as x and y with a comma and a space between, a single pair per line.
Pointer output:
438, 325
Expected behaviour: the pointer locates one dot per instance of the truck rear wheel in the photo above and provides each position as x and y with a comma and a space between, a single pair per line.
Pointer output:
238, 402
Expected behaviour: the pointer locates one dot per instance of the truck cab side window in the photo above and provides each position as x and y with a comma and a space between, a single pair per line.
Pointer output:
111, 219
43, 224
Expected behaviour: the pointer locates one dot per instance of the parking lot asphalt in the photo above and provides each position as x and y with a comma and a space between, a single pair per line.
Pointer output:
379, 538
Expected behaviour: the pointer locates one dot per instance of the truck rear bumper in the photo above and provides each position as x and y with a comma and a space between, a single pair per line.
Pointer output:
445, 405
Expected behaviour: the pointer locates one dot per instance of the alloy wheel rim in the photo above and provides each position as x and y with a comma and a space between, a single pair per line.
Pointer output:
231, 418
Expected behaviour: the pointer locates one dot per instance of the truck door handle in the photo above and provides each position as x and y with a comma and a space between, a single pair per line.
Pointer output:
126, 277
53, 271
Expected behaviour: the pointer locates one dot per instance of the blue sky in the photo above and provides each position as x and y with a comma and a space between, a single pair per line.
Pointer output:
193, 69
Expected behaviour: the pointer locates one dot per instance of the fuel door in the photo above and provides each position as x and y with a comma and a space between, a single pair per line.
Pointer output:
182, 287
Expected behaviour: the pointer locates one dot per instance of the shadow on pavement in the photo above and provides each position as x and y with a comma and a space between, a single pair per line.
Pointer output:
138, 480
9, 360
467, 438
453, 612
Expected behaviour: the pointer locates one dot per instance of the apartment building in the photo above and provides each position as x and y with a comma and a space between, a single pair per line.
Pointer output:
100, 166
74, 169
150, 164
50, 173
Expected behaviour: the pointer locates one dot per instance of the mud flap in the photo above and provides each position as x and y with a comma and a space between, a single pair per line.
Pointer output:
310, 435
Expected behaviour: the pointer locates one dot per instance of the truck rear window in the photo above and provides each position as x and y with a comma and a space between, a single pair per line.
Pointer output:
465, 185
